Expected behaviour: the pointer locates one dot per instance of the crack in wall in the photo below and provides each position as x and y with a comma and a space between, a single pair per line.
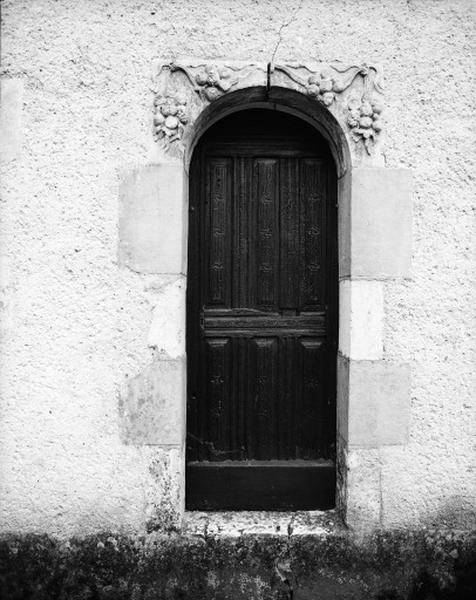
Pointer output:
281, 29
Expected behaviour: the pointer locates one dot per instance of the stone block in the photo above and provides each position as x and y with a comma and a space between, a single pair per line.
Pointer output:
164, 493
153, 219
381, 223
344, 229
364, 507
152, 409
378, 404
361, 319
11, 108
167, 330
342, 397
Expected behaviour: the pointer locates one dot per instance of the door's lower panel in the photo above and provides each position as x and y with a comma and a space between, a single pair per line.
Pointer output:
260, 485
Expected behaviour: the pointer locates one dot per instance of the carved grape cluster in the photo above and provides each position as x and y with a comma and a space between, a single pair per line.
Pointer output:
322, 87
364, 120
170, 116
213, 81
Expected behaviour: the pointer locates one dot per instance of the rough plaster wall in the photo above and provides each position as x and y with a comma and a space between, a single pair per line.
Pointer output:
431, 319
74, 325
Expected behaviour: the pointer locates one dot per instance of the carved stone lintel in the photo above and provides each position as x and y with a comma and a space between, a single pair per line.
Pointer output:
210, 81
353, 94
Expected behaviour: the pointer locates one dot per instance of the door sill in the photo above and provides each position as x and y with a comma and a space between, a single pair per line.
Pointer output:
282, 523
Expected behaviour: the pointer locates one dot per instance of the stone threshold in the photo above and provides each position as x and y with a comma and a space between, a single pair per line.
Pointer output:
283, 523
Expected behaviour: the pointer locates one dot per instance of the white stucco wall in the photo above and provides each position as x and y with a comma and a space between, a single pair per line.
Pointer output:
75, 325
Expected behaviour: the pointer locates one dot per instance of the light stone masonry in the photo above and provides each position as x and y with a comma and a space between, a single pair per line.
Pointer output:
361, 319
153, 222
152, 407
167, 330
378, 404
375, 220
11, 107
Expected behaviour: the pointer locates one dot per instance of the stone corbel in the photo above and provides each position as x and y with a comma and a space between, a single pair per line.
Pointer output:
352, 93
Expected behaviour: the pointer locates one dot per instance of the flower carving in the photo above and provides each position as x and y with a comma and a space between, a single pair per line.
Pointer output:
364, 120
170, 117
213, 82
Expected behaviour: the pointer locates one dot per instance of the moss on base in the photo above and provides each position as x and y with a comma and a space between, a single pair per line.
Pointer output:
427, 564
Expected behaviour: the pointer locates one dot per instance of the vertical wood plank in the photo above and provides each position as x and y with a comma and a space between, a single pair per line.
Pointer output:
265, 426
313, 294
287, 388
312, 398
267, 232
241, 234
202, 432
218, 359
289, 234
237, 398
251, 391
242, 405
219, 235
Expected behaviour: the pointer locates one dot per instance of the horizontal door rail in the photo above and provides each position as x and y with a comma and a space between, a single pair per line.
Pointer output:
308, 321
264, 485
266, 332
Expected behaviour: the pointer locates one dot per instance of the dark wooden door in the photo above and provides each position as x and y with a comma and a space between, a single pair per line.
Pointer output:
261, 317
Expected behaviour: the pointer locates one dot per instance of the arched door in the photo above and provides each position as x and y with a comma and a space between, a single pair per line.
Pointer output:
261, 316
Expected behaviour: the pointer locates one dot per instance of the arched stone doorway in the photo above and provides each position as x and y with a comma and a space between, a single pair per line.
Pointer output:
374, 245
261, 316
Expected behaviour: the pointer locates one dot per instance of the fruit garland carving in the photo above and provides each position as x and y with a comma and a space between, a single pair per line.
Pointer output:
210, 81
360, 110
213, 82
364, 120
364, 113
170, 116
173, 109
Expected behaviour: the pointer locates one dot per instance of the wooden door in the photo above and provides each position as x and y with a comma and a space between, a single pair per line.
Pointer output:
261, 317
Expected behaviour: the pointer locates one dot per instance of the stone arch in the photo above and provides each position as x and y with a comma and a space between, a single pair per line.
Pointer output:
280, 99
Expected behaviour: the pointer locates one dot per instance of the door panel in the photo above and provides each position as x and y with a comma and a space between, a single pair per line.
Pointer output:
261, 320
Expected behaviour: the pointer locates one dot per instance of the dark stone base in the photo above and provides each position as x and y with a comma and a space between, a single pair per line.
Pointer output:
428, 565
